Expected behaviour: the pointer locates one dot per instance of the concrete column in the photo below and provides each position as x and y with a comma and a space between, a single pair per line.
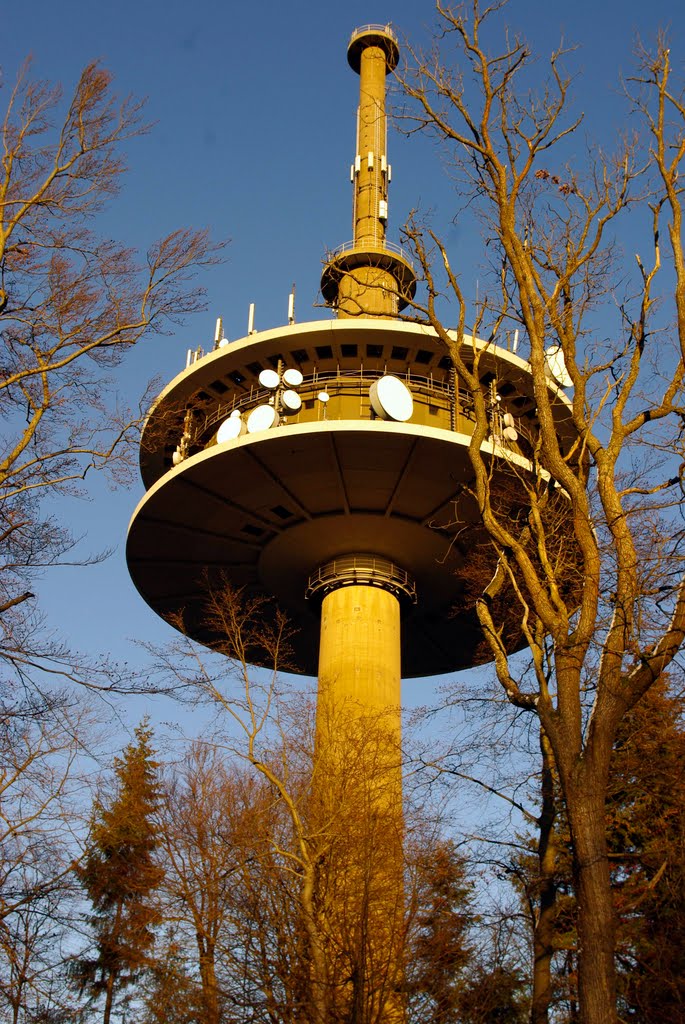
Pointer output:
359, 656
358, 789
367, 291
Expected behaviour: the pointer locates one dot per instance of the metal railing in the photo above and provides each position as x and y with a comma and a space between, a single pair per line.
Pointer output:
381, 246
335, 381
388, 30
364, 570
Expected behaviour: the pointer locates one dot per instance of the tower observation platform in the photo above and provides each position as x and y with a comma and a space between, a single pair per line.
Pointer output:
325, 466
333, 480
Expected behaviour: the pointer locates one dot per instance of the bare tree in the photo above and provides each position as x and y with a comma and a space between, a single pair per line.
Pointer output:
71, 305
43, 773
213, 831
599, 588
308, 909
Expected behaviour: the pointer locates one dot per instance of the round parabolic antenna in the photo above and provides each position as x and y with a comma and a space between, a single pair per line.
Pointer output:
511, 433
262, 418
230, 429
291, 401
269, 379
556, 365
391, 399
293, 378
323, 396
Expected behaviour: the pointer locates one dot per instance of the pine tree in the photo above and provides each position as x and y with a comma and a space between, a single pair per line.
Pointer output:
120, 875
646, 830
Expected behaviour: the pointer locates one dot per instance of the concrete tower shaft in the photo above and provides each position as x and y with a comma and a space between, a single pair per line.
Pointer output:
368, 276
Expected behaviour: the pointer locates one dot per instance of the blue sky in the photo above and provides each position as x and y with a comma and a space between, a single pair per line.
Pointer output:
253, 108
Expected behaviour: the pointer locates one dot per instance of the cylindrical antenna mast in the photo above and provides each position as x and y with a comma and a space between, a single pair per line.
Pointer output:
368, 277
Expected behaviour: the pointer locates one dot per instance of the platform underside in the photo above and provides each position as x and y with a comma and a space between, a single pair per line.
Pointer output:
268, 509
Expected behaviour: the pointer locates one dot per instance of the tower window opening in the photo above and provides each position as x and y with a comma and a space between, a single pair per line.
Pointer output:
445, 363
374, 351
348, 351
282, 512
236, 377
219, 387
274, 360
324, 351
253, 531
255, 368
300, 355
423, 356
398, 352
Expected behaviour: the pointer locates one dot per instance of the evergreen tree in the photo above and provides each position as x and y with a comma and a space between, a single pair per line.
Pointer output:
645, 826
646, 830
120, 875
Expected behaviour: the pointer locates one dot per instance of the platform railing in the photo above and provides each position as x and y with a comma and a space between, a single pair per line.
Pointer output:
361, 570
388, 30
335, 380
384, 245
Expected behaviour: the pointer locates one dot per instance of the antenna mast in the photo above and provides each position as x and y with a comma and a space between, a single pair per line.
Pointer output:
368, 276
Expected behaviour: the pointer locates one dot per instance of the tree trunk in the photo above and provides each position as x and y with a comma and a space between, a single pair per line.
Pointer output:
543, 935
210, 1001
109, 998
596, 921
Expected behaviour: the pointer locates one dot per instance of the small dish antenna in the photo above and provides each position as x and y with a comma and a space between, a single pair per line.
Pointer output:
292, 377
291, 401
556, 366
230, 429
262, 418
269, 379
323, 396
391, 399
511, 433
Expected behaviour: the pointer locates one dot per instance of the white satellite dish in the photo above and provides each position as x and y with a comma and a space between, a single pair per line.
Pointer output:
230, 429
556, 365
291, 401
293, 378
236, 412
262, 418
323, 396
269, 379
510, 433
508, 420
391, 399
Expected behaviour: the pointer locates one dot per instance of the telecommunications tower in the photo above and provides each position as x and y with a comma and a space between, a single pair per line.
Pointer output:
325, 465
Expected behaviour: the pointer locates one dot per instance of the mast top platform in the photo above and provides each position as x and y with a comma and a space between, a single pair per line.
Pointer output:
382, 36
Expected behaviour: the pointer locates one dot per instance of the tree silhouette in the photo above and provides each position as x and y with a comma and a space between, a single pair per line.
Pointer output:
120, 875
